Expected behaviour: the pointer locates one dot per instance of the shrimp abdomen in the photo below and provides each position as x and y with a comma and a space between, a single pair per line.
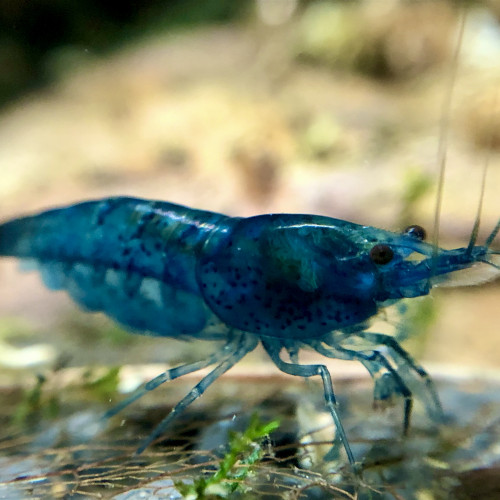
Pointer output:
130, 258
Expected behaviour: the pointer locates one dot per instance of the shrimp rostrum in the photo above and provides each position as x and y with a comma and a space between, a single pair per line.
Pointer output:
287, 281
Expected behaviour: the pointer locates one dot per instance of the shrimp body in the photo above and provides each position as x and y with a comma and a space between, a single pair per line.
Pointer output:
287, 281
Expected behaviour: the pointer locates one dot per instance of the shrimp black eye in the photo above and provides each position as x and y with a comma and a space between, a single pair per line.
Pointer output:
416, 231
381, 254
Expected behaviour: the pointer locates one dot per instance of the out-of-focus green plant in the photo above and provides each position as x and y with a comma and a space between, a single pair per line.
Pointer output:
418, 316
245, 450
416, 184
103, 387
35, 405
15, 327
85, 327
38, 404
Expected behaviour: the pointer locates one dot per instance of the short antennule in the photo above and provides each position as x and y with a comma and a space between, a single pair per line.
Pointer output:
487, 245
493, 235
477, 222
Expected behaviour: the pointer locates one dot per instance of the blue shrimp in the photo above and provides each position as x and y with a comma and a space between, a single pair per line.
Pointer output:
287, 281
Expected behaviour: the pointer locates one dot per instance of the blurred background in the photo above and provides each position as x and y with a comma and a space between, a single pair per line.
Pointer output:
248, 107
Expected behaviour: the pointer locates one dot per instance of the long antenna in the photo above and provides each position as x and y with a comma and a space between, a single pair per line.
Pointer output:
444, 130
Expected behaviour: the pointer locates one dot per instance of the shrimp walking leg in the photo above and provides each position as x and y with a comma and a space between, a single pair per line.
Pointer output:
306, 371
402, 359
372, 360
245, 345
385, 386
172, 374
